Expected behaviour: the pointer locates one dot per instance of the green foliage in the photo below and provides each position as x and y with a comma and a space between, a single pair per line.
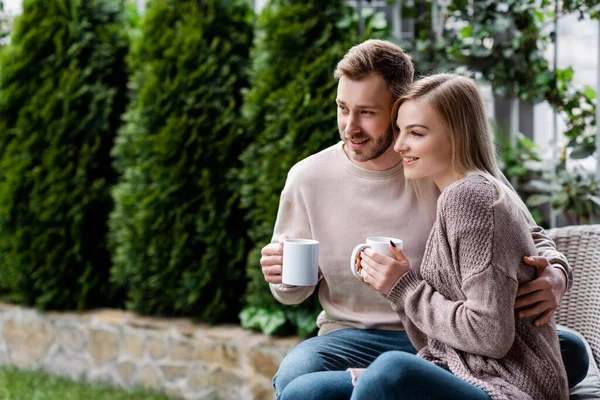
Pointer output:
375, 23
279, 321
5, 23
502, 41
176, 233
522, 165
583, 7
428, 52
574, 191
62, 92
516, 159
290, 112
577, 106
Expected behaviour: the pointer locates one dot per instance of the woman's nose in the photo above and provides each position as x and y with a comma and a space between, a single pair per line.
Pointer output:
400, 146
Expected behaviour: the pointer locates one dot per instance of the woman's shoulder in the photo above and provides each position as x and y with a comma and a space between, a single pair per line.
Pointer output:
473, 192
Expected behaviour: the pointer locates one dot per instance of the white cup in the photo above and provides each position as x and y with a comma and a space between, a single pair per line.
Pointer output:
380, 244
300, 262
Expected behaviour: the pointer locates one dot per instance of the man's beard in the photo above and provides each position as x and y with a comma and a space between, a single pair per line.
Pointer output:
373, 150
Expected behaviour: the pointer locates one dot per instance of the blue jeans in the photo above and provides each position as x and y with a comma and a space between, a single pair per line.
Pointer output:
574, 356
316, 368
397, 375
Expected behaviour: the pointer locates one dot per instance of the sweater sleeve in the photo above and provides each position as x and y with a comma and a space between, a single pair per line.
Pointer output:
292, 223
482, 322
546, 248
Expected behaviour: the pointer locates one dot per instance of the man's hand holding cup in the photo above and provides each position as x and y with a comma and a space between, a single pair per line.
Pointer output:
293, 262
272, 260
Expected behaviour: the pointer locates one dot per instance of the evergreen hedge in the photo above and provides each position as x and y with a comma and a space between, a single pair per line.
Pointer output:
290, 111
62, 91
4, 25
176, 233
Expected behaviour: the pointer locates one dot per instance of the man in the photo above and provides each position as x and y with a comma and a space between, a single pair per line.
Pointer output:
356, 189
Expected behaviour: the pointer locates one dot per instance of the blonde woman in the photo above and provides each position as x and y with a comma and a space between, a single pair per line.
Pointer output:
458, 308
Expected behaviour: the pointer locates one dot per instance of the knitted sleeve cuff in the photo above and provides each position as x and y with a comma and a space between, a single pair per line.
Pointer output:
407, 282
568, 279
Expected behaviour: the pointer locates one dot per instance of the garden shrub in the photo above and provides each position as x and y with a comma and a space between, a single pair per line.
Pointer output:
177, 235
62, 92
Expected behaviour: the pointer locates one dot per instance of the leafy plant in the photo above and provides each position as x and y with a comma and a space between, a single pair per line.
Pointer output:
279, 321
62, 93
429, 54
503, 41
5, 22
521, 164
577, 106
583, 7
177, 236
575, 191
519, 159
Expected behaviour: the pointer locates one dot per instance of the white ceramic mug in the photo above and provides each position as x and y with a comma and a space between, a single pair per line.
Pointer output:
380, 244
300, 262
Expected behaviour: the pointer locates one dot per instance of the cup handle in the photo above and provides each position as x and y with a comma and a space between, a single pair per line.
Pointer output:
356, 258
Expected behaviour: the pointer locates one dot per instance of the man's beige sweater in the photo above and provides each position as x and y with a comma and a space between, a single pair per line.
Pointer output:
330, 199
460, 315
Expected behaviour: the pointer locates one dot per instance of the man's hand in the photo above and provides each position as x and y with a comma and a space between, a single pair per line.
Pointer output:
271, 260
542, 295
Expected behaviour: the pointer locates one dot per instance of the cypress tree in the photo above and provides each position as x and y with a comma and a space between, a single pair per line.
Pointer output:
62, 92
4, 24
290, 111
178, 244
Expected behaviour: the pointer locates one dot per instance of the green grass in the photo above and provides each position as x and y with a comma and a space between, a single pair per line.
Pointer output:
18, 385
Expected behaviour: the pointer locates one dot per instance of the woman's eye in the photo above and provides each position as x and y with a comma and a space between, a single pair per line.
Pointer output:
415, 133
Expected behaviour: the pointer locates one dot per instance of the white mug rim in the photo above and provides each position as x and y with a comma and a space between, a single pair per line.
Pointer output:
302, 241
383, 239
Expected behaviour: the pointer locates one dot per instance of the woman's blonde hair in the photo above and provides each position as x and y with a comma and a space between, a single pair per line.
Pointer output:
457, 103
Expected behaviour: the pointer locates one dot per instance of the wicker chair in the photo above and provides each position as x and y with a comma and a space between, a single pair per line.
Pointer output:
580, 308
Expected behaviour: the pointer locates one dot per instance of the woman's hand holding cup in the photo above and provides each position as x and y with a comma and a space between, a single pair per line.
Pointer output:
380, 271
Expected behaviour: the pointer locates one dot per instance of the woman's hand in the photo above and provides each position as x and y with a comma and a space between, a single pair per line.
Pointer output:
382, 272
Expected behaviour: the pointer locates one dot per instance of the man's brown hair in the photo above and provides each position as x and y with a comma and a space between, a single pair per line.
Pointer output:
378, 57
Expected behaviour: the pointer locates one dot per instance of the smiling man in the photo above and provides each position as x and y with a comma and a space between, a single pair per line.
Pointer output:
366, 133
357, 189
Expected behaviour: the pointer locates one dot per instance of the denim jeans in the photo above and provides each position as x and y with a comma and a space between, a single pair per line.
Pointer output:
574, 356
316, 368
397, 375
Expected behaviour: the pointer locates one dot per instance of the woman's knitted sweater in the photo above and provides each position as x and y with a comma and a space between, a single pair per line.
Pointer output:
459, 313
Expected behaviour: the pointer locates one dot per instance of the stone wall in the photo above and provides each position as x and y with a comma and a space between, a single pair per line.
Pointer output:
175, 356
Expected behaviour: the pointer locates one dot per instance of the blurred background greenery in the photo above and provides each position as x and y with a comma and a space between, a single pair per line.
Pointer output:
144, 145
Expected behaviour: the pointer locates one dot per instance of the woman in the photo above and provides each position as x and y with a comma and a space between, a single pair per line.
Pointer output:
458, 309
